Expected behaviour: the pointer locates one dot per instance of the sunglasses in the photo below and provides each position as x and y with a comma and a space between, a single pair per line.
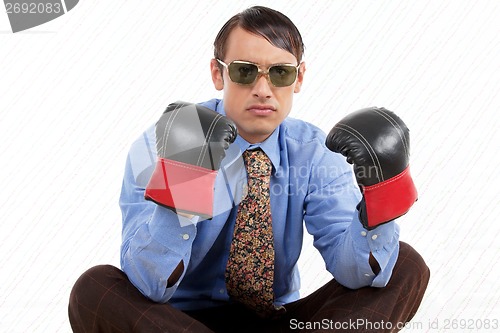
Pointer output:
246, 73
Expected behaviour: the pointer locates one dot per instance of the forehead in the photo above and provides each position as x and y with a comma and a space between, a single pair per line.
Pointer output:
243, 45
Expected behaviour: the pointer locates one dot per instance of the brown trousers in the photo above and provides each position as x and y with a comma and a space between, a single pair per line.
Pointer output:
104, 300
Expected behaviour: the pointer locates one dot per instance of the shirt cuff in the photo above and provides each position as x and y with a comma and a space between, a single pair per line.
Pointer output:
382, 242
173, 231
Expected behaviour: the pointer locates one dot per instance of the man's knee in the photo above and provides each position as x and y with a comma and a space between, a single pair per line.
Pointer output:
409, 254
411, 265
87, 296
97, 275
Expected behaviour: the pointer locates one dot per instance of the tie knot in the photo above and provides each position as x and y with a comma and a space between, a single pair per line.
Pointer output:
257, 163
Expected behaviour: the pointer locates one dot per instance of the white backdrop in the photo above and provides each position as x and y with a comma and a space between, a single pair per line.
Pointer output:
77, 91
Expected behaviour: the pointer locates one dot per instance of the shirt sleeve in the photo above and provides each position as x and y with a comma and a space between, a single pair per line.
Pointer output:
332, 218
154, 239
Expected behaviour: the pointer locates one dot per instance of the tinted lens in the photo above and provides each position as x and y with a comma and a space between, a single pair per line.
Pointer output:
242, 73
282, 75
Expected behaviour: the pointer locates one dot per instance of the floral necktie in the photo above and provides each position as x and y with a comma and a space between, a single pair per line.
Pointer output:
250, 267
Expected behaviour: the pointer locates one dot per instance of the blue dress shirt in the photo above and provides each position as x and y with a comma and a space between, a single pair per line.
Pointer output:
310, 186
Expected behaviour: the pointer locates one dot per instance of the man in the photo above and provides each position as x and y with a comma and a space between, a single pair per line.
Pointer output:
215, 197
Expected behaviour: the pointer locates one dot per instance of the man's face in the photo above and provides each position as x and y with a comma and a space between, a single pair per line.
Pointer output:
259, 108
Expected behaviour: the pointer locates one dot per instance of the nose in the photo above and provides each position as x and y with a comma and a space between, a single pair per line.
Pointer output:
262, 87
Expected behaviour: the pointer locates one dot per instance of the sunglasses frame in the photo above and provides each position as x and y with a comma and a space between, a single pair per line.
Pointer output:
260, 71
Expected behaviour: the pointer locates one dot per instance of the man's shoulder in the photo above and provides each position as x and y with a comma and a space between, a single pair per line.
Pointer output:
211, 103
302, 131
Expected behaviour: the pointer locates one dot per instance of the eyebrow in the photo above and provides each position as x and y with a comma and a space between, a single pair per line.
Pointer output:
270, 65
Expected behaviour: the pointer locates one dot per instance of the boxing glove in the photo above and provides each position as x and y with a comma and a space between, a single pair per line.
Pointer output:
377, 143
191, 141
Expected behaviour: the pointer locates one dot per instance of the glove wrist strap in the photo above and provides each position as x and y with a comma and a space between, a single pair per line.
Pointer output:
182, 187
387, 200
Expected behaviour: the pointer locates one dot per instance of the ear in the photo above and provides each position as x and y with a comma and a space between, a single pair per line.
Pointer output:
216, 75
300, 77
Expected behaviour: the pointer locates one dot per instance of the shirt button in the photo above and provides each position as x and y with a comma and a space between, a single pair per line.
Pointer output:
185, 236
221, 291
374, 237
363, 233
367, 275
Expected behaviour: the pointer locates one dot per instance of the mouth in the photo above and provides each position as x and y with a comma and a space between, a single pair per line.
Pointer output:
261, 109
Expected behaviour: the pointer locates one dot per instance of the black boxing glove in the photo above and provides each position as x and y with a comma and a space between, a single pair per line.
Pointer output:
377, 143
191, 141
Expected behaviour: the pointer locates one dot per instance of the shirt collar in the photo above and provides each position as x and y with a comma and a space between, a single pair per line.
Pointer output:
270, 146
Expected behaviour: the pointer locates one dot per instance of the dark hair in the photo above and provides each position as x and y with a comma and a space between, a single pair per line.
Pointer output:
274, 26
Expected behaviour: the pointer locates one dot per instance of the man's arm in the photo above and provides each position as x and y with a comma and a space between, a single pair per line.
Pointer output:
155, 241
355, 256
376, 142
374, 264
168, 184
176, 275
